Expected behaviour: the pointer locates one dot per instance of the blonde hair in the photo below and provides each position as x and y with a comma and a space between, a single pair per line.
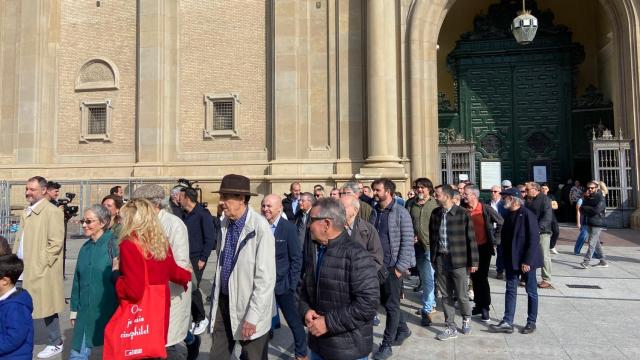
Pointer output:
139, 221
603, 188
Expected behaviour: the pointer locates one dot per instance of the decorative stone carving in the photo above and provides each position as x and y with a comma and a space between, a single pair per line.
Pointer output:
491, 143
444, 105
592, 99
97, 74
450, 136
538, 142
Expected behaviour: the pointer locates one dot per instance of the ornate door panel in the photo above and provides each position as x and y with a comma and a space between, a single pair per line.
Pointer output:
514, 101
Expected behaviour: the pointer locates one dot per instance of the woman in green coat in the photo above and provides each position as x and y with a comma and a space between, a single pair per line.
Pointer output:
93, 296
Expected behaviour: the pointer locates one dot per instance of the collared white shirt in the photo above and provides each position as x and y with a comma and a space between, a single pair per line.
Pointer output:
8, 293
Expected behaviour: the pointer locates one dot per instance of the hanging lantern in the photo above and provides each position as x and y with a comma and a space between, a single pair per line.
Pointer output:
524, 27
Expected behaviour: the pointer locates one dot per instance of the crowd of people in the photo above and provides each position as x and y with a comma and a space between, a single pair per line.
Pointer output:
327, 263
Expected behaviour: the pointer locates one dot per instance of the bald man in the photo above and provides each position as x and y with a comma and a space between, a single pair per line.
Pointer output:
288, 266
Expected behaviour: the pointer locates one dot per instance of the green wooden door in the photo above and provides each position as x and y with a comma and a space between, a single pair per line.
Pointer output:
515, 101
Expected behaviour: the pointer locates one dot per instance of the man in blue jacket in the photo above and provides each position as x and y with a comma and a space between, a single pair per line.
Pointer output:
16, 324
395, 230
288, 267
202, 239
521, 256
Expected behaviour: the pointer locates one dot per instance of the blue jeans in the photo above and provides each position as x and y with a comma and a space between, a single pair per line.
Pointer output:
423, 262
315, 356
83, 354
582, 238
510, 295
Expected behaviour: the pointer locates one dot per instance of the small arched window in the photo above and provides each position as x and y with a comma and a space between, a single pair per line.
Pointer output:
97, 74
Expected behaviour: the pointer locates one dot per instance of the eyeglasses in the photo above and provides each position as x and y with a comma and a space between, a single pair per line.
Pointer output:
316, 218
87, 221
495, 191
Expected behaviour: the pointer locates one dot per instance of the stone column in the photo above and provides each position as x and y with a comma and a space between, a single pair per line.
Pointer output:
157, 85
382, 89
38, 41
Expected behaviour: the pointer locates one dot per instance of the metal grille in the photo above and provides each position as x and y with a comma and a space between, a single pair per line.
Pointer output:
5, 210
223, 114
460, 165
443, 167
609, 171
97, 121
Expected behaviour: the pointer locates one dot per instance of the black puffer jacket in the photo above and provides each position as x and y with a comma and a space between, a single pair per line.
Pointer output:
593, 208
347, 295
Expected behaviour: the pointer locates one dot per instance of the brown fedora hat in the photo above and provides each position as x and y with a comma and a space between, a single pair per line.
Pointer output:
236, 185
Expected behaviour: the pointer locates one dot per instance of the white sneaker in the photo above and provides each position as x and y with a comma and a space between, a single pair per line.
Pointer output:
554, 251
49, 351
200, 326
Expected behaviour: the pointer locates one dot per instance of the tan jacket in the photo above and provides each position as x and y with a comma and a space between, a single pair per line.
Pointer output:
43, 232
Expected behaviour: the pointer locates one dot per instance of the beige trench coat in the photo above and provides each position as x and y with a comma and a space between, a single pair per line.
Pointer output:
43, 232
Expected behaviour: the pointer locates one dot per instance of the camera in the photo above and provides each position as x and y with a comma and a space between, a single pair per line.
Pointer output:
69, 210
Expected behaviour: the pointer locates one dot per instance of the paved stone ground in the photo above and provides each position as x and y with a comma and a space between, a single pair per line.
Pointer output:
572, 323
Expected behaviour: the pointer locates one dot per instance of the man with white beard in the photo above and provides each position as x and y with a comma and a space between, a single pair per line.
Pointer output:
521, 255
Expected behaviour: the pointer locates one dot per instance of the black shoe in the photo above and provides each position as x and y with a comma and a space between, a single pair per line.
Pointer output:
529, 328
384, 352
401, 336
501, 327
426, 319
476, 311
417, 288
193, 349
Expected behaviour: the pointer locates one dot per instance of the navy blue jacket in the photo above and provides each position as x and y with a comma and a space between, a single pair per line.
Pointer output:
202, 232
16, 326
288, 257
525, 242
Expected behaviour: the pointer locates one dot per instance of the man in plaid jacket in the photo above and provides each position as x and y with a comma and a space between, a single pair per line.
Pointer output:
454, 255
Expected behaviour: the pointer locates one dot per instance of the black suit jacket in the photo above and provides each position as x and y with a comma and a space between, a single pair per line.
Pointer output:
288, 257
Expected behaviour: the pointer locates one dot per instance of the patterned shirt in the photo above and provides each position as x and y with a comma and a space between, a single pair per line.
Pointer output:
444, 245
229, 253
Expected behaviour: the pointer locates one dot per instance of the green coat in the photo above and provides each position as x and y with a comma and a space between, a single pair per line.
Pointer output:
93, 295
420, 216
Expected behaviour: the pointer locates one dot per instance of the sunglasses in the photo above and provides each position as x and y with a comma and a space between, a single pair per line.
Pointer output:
592, 188
87, 221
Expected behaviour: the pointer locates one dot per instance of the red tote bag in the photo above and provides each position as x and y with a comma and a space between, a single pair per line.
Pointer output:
136, 330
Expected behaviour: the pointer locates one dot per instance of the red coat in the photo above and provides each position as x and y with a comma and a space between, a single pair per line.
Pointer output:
130, 283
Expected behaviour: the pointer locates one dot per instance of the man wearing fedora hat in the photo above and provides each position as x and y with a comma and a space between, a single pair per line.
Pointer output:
242, 294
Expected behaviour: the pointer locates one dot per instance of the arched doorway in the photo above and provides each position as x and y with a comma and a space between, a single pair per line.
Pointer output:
424, 26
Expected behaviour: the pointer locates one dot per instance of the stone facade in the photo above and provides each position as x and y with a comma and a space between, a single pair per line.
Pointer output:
324, 90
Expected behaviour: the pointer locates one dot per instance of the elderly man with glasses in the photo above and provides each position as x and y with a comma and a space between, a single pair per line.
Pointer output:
338, 317
521, 257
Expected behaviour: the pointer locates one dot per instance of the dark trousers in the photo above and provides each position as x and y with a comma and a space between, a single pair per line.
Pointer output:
289, 306
222, 343
555, 232
499, 261
480, 278
452, 283
390, 292
197, 306
511, 294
